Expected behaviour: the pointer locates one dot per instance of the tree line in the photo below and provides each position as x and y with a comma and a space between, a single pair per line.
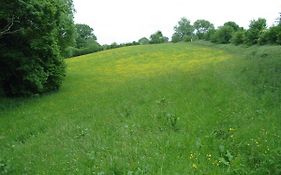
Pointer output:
230, 32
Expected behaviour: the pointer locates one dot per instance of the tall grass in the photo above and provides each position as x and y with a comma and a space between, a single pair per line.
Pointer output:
193, 108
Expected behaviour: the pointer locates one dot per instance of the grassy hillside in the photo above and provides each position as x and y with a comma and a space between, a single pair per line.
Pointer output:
155, 109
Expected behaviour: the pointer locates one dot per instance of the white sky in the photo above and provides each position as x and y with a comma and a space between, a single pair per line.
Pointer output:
129, 20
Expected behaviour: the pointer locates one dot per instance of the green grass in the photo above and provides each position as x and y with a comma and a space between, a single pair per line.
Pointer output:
156, 109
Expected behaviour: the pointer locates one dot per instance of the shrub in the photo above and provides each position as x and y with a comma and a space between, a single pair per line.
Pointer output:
223, 35
238, 37
30, 53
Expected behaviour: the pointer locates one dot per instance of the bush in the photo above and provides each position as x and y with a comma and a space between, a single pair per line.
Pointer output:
238, 37
271, 36
223, 35
30, 54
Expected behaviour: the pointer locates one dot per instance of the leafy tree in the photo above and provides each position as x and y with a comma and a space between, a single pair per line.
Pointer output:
222, 35
33, 36
183, 30
143, 41
271, 36
166, 39
66, 27
157, 38
233, 25
202, 27
84, 33
209, 35
176, 38
256, 29
238, 37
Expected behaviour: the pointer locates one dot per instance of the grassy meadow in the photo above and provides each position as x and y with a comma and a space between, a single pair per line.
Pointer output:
182, 108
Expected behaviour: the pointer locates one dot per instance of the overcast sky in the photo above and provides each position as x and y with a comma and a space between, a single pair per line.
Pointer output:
128, 20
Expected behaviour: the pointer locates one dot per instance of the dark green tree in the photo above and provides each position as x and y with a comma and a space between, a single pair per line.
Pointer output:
183, 31
143, 41
84, 33
223, 34
202, 27
176, 38
238, 37
157, 38
255, 31
33, 36
235, 27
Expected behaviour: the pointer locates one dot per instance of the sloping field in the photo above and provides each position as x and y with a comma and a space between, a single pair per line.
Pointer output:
155, 109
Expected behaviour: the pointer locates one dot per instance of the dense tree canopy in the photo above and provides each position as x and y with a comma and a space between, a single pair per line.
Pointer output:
157, 38
183, 31
256, 29
84, 33
33, 37
202, 27
224, 33
143, 41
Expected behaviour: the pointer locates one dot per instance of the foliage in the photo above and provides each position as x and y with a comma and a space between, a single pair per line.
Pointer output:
271, 36
84, 33
235, 27
183, 30
256, 29
202, 27
91, 47
66, 28
176, 38
86, 42
238, 37
223, 34
157, 38
31, 50
143, 41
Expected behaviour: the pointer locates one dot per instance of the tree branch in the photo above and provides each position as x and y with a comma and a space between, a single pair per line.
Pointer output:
7, 29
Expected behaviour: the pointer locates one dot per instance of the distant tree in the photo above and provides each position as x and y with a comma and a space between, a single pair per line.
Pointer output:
84, 33
256, 29
271, 36
176, 38
166, 39
114, 45
210, 34
233, 25
143, 41
183, 30
202, 27
33, 37
157, 38
223, 34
